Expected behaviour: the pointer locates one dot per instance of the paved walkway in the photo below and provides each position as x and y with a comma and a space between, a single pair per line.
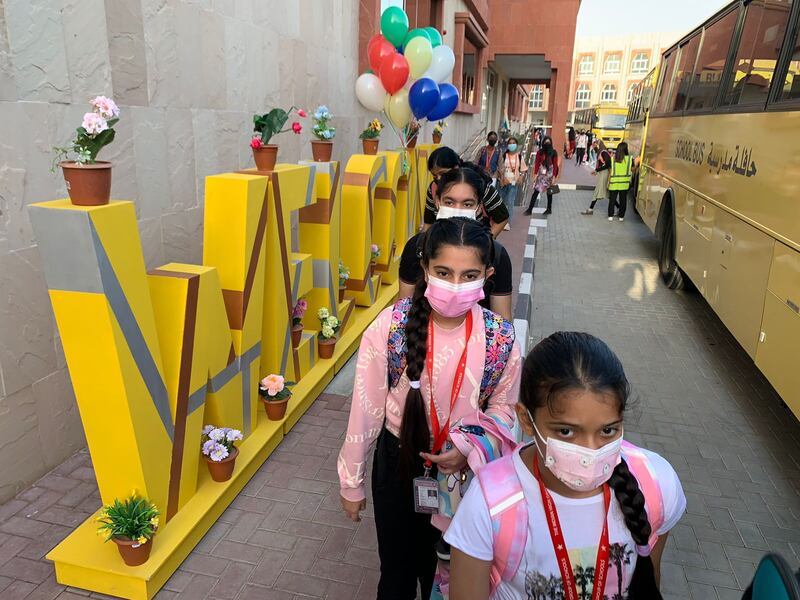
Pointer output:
701, 402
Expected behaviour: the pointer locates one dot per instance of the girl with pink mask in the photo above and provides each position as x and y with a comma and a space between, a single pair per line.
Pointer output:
435, 374
579, 513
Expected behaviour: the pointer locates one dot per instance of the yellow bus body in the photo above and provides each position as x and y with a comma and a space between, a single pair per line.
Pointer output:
605, 122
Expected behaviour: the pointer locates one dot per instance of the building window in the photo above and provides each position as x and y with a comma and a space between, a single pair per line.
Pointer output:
613, 63
586, 66
631, 89
583, 96
640, 63
537, 97
609, 93
387, 3
711, 61
468, 47
469, 67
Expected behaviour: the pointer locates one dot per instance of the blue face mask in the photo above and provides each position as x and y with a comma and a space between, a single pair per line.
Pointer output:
512, 147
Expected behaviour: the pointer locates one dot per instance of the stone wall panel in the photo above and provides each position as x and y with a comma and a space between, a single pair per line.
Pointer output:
19, 442
57, 417
126, 49
8, 88
150, 151
86, 43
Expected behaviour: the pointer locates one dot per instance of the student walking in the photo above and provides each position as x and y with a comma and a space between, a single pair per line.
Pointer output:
579, 508
444, 359
619, 181
489, 155
581, 144
511, 169
602, 169
546, 167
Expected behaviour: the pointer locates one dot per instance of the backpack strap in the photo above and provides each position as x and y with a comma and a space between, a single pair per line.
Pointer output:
397, 348
500, 337
639, 464
508, 511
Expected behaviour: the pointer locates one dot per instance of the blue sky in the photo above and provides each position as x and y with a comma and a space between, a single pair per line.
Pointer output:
620, 17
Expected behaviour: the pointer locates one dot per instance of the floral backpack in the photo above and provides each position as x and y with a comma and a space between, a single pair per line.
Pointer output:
499, 342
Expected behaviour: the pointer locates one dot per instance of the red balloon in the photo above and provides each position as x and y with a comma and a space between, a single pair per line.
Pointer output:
394, 72
378, 49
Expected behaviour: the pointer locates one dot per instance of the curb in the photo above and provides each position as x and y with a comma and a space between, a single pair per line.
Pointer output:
579, 187
524, 306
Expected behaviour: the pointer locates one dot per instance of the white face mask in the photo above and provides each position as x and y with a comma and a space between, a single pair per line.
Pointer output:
448, 212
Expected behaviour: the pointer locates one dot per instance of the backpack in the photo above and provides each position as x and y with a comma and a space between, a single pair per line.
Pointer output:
499, 342
508, 509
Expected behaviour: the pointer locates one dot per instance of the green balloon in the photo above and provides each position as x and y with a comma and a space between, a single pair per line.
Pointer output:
416, 33
436, 37
394, 25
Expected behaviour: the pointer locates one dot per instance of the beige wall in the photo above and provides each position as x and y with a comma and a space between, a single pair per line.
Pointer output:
188, 75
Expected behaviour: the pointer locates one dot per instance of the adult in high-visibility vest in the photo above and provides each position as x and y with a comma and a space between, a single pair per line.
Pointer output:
619, 181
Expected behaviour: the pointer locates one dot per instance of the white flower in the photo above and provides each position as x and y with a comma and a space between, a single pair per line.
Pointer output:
327, 331
332, 321
94, 123
219, 453
323, 313
209, 446
208, 429
217, 435
106, 107
234, 435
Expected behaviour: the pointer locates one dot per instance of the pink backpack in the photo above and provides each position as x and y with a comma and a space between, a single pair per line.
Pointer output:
508, 510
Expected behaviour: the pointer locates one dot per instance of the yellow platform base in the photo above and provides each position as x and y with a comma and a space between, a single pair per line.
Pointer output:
83, 561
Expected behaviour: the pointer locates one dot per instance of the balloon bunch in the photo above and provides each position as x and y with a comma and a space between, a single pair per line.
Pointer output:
408, 69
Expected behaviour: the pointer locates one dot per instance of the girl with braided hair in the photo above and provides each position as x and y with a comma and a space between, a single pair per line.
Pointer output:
424, 366
579, 513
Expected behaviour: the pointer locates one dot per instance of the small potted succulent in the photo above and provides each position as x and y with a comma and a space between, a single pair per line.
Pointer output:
327, 335
411, 132
265, 127
88, 179
275, 394
374, 254
344, 275
322, 147
370, 137
219, 451
131, 524
438, 131
297, 321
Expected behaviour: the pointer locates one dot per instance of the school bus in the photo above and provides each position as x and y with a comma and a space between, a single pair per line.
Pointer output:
605, 122
720, 186
636, 123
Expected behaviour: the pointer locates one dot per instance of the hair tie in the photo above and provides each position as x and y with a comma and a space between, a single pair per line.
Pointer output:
414, 384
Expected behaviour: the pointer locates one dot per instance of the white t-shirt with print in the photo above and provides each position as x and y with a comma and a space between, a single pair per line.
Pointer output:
581, 521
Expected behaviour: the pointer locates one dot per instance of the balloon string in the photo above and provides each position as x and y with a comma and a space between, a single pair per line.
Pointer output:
397, 133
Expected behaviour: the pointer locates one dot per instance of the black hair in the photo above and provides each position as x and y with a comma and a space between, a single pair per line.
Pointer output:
458, 231
549, 153
444, 158
470, 174
568, 360
621, 152
494, 133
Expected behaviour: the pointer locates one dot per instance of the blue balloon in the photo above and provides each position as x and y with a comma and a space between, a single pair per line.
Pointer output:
423, 97
448, 101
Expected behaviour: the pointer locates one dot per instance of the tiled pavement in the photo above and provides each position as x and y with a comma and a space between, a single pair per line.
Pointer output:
701, 403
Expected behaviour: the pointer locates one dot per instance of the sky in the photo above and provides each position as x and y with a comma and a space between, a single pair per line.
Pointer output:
621, 17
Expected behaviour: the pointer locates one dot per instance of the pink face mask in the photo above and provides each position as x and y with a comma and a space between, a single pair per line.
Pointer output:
453, 299
580, 469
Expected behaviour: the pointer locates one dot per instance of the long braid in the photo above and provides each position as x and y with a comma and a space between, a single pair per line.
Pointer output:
631, 501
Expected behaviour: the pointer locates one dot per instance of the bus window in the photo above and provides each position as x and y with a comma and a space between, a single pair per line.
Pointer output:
791, 83
711, 62
760, 46
683, 74
666, 82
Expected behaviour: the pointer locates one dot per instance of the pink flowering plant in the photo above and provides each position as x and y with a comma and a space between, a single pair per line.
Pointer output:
267, 125
96, 131
375, 252
299, 311
274, 388
218, 442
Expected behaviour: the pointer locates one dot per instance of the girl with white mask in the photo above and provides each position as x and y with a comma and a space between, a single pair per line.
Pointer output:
579, 513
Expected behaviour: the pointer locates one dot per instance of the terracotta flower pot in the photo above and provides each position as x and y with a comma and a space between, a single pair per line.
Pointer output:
412, 143
297, 335
342, 289
321, 151
437, 139
370, 146
326, 347
276, 409
266, 157
222, 470
88, 185
132, 552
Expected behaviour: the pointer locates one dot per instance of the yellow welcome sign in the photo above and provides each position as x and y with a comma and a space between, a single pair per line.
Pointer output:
154, 356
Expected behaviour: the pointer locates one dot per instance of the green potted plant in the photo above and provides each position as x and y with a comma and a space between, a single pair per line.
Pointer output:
410, 133
88, 179
265, 127
370, 137
297, 321
438, 131
218, 448
344, 275
374, 254
131, 524
327, 335
275, 394
322, 147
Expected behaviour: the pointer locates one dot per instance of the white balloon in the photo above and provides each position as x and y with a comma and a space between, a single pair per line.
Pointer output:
442, 64
370, 92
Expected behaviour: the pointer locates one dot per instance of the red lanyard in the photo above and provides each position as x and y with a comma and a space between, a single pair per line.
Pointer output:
488, 158
440, 435
560, 547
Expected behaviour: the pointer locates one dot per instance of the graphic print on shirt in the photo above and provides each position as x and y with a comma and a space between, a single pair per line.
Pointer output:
539, 586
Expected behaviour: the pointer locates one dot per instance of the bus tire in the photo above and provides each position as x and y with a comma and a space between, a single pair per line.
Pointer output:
671, 273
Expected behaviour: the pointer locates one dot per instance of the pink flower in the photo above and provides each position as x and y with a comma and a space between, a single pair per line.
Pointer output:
301, 113
94, 123
297, 128
273, 384
106, 107
255, 143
